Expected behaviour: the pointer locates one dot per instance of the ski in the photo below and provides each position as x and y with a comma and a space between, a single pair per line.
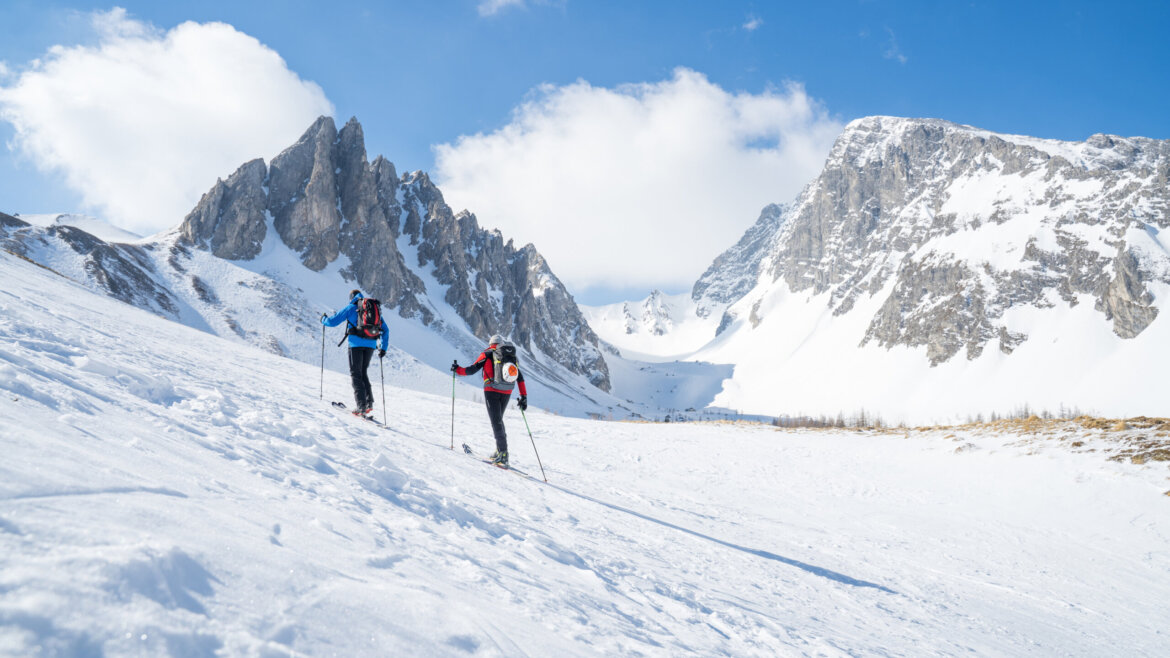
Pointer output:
468, 451
340, 407
471, 453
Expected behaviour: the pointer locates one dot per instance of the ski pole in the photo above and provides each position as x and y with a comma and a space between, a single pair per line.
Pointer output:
382, 371
322, 394
525, 417
452, 410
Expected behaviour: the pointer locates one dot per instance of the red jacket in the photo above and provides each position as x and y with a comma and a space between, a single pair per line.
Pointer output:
485, 363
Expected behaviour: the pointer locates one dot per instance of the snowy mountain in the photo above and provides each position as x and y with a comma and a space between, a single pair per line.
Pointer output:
169, 492
964, 224
655, 328
934, 271
391, 235
266, 251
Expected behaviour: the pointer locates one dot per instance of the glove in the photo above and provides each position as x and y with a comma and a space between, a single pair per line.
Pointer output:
324, 317
454, 366
522, 403
381, 354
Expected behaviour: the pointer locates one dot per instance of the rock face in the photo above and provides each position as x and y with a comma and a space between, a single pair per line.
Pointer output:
953, 226
327, 202
229, 219
732, 275
303, 195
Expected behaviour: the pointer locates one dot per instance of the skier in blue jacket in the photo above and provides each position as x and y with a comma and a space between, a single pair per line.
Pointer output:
364, 328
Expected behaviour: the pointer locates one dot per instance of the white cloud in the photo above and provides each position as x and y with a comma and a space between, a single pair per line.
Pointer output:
641, 185
493, 7
3, 70
143, 123
892, 50
753, 23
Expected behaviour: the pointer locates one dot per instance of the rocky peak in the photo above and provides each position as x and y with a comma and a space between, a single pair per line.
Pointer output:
732, 275
229, 219
955, 225
496, 288
302, 195
656, 314
327, 201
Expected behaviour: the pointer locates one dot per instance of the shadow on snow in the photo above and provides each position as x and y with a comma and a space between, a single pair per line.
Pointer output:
813, 569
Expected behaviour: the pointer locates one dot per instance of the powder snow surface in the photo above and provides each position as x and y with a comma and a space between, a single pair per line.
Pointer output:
166, 492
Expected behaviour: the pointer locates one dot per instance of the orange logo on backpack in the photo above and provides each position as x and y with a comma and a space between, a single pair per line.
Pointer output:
509, 372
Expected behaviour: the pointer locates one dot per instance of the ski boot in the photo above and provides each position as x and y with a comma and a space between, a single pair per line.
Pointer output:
500, 458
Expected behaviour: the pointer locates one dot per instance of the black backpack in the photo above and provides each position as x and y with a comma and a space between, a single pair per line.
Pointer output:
504, 354
369, 312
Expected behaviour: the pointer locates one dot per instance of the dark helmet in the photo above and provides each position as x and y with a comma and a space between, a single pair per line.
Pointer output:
354, 293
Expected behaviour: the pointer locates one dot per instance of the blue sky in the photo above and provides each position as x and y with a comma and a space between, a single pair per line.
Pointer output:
422, 74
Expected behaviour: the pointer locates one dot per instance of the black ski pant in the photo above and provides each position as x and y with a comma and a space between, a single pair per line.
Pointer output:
496, 403
359, 362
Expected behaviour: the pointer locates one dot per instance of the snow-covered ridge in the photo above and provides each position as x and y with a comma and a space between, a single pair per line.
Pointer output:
92, 225
1098, 151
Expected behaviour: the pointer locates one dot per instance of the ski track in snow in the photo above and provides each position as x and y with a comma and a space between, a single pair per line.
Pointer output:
167, 492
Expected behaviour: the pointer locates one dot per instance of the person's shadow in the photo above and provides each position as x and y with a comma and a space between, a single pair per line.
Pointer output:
813, 569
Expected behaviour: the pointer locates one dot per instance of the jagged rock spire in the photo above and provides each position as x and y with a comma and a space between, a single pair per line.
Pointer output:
326, 201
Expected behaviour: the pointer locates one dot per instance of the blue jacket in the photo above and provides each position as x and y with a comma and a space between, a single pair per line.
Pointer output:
349, 314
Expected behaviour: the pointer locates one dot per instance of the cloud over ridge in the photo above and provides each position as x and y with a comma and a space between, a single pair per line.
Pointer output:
642, 184
142, 123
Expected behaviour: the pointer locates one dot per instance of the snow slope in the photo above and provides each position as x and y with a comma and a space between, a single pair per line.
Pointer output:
168, 492
92, 225
808, 371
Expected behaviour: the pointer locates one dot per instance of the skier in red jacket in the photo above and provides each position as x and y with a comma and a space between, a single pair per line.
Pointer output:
501, 373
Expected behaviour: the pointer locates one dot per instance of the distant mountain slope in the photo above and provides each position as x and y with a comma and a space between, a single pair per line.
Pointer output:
123, 271
659, 326
934, 270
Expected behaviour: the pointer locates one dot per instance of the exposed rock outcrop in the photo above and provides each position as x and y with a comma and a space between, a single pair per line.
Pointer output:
303, 195
229, 220
954, 226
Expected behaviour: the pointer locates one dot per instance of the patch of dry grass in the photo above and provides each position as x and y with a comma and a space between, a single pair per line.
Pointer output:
1139, 440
